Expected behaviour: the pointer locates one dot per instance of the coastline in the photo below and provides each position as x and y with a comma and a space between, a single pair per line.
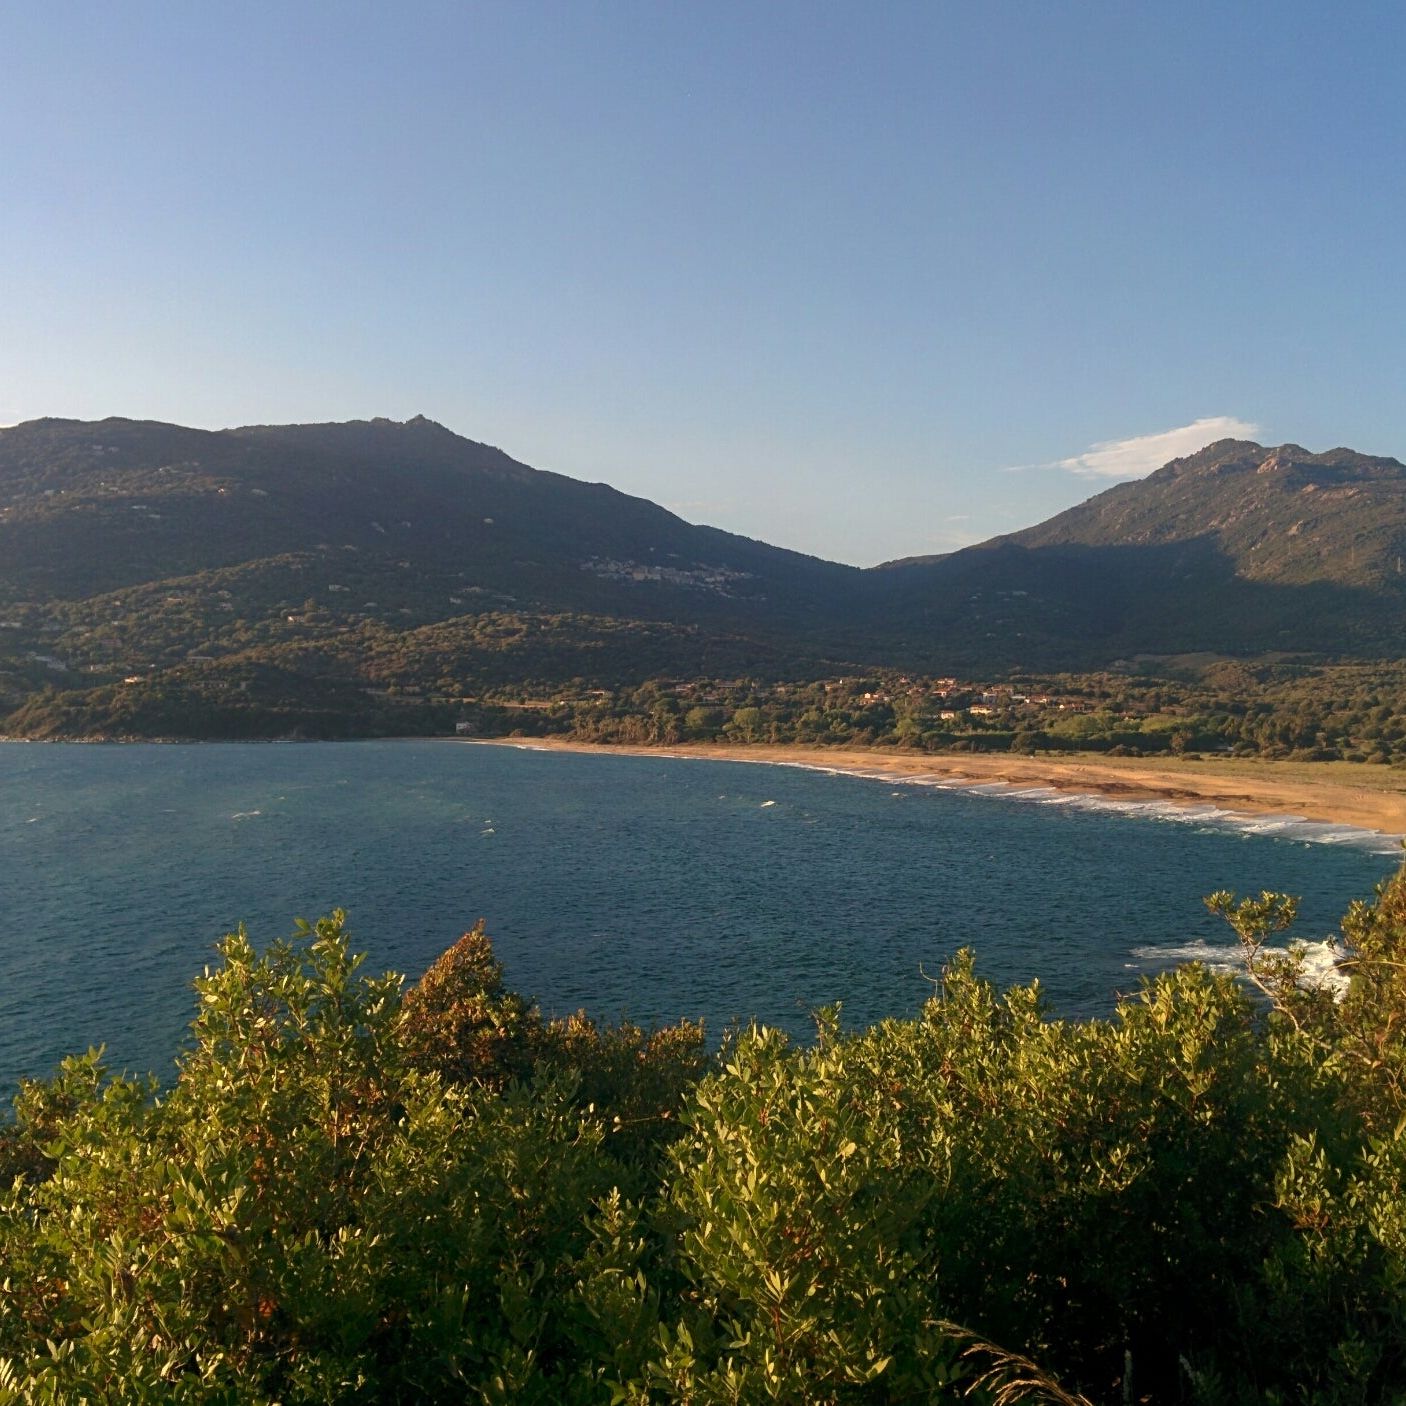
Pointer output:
1352, 794
1347, 793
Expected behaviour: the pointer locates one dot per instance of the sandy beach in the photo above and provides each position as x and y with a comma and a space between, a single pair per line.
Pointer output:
1344, 793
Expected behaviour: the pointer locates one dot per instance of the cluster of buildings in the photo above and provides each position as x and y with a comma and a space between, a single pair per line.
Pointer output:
967, 699
717, 579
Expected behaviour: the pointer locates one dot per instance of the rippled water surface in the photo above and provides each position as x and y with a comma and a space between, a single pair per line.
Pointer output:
629, 885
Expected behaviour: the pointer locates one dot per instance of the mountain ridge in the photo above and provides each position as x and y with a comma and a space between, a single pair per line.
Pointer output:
131, 547
1217, 461
457, 486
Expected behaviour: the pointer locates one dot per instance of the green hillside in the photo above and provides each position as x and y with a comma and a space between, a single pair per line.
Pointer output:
1237, 548
143, 564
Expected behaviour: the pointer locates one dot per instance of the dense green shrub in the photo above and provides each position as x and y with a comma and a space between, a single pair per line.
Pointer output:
352, 1196
303, 1217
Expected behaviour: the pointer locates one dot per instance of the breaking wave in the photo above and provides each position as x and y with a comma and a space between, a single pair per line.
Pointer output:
1321, 960
1286, 827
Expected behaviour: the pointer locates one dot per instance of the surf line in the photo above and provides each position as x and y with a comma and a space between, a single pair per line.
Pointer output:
1272, 825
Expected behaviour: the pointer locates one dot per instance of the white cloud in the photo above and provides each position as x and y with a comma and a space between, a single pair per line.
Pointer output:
1140, 455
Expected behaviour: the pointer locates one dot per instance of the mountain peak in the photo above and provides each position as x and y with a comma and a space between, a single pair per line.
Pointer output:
412, 423
416, 422
1216, 457
1245, 458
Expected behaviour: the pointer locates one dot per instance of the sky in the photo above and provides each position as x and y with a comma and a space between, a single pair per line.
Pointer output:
866, 280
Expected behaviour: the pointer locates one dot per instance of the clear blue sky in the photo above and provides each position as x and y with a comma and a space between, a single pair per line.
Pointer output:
822, 274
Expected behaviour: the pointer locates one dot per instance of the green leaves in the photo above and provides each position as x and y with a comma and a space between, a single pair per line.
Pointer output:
347, 1196
801, 1234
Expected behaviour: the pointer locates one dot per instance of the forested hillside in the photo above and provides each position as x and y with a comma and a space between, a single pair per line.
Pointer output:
283, 580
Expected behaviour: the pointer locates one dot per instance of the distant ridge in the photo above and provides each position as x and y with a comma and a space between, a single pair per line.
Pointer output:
68, 491
1239, 547
129, 547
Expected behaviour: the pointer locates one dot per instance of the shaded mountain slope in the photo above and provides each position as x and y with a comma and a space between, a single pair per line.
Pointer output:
157, 568
90, 508
1237, 548
376, 555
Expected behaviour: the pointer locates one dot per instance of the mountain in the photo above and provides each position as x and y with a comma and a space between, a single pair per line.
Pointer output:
128, 547
1239, 547
88, 508
318, 566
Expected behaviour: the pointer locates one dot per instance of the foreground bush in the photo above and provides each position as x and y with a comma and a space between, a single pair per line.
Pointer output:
352, 1196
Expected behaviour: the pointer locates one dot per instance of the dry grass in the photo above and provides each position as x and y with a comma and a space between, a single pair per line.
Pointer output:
1006, 1377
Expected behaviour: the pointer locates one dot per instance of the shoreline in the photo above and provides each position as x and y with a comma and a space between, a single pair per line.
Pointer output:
1352, 794
1244, 788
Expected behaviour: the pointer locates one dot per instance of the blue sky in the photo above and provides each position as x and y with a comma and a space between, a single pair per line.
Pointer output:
864, 279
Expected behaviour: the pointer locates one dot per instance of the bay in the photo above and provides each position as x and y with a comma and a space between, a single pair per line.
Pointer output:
647, 887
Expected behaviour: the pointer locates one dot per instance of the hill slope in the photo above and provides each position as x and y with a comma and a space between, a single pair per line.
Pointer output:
87, 508
1237, 547
370, 558
154, 557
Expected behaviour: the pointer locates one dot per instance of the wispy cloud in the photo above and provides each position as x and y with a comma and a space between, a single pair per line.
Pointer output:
947, 539
1141, 454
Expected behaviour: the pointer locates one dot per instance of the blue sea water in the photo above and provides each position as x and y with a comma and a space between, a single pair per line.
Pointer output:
641, 886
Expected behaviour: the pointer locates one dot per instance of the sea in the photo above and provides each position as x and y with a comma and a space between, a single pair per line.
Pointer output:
639, 887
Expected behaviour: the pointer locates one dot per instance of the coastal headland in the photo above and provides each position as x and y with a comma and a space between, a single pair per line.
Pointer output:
1345, 793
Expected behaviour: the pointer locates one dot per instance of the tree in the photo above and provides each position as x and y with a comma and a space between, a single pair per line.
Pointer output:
746, 724
460, 1022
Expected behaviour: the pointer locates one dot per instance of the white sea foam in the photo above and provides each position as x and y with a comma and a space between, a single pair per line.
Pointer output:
1322, 966
1219, 956
1289, 827
1321, 960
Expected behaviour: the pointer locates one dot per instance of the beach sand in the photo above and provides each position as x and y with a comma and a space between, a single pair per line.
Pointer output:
1344, 793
